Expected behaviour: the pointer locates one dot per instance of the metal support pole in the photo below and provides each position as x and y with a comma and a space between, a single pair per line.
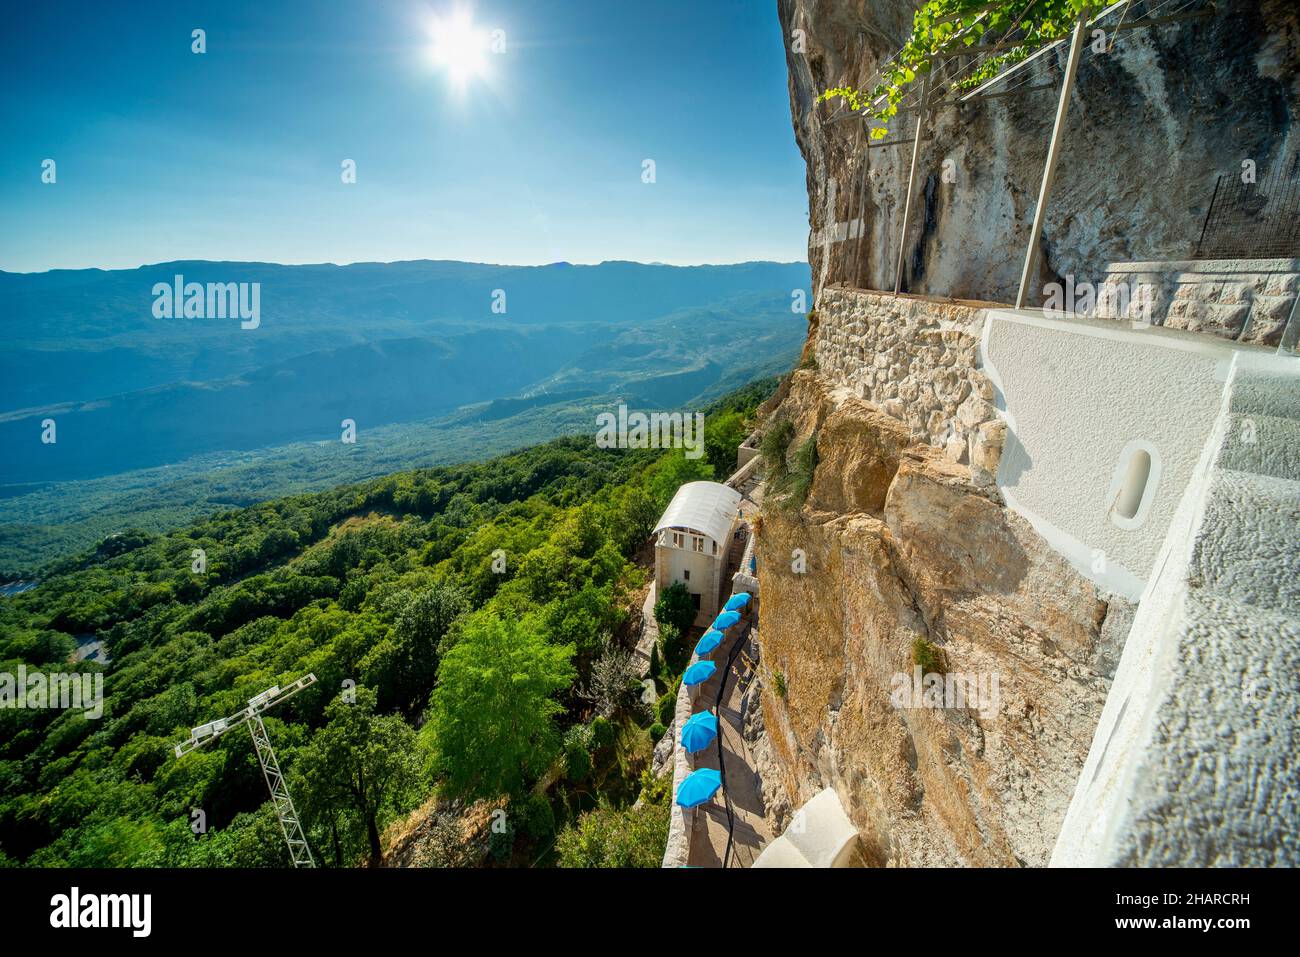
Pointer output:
863, 167
1208, 213
911, 180
299, 852
1289, 345
1053, 154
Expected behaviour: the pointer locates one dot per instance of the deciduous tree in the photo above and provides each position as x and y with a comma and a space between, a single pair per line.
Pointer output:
492, 717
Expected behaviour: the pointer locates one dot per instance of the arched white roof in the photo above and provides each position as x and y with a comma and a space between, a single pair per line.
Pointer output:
708, 507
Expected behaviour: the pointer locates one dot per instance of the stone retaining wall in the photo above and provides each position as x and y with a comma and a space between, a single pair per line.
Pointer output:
918, 359
677, 852
1249, 300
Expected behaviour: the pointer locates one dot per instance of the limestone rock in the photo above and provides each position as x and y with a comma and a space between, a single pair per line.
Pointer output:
946, 563
987, 442
662, 761
871, 442
1140, 107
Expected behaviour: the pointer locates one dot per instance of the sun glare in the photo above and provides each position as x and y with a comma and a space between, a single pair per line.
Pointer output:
459, 47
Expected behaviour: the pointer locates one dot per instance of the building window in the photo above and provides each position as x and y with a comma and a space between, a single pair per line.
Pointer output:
679, 540
715, 548
695, 598
686, 575
697, 543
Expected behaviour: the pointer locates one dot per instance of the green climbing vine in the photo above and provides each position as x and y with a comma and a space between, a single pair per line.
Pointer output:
945, 27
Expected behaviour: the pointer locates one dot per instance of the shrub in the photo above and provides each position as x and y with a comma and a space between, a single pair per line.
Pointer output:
577, 753
657, 731
655, 789
602, 733
501, 843
537, 818
676, 650
675, 608
627, 837
774, 446
666, 708
615, 684
929, 657
795, 485
778, 682
577, 762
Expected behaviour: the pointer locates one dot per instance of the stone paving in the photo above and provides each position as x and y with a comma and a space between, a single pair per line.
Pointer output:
709, 827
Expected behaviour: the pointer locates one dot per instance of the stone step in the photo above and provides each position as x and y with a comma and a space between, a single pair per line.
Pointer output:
1216, 783
1258, 393
1251, 526
1263, 445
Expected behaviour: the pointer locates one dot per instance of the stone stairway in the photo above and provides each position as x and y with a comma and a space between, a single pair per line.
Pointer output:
1251, 529
1220, 776
1198, 756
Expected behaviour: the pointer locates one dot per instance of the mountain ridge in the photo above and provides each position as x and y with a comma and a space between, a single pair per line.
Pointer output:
407, 350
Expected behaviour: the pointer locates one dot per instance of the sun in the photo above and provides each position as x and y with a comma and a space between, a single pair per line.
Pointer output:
459, 47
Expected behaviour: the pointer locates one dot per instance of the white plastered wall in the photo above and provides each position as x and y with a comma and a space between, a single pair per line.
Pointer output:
1077, 396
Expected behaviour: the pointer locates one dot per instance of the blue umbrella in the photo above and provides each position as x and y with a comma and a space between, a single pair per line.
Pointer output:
699, 673
699, 731
710, 641
737, 601
698, 787
726, 620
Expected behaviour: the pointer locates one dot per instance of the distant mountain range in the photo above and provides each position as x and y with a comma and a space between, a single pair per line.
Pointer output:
383, 344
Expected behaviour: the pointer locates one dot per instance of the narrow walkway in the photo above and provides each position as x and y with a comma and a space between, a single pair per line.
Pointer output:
750, 833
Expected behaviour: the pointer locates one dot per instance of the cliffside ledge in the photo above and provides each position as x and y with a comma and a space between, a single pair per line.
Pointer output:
898, 547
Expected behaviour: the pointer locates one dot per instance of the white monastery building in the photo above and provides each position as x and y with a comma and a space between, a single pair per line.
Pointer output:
692, 542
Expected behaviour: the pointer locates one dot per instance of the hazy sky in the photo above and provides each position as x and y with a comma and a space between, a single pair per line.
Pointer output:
235, 153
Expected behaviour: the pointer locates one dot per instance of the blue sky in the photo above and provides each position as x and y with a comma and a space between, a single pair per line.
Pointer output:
165, 154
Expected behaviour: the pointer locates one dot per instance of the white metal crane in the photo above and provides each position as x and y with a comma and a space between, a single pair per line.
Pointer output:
299, 853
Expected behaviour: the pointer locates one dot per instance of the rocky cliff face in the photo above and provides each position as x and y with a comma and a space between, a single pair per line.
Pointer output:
897, 548
1152, 124
903, 555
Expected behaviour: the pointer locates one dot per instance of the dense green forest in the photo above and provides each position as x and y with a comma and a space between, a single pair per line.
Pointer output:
467, 626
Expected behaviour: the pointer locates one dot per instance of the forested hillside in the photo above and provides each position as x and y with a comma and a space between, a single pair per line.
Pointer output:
158, 422
379, 343
442, 680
